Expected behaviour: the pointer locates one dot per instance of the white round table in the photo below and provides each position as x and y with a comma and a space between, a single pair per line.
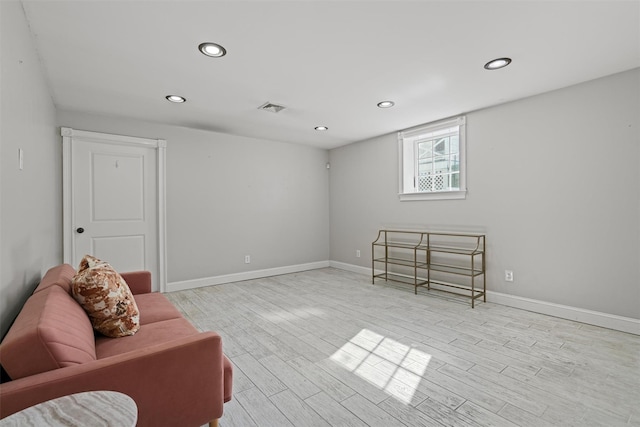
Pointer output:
92, 408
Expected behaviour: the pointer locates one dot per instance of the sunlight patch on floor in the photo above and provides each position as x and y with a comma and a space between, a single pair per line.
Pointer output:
386, 363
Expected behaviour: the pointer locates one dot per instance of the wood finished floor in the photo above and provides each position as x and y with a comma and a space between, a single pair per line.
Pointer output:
328, 348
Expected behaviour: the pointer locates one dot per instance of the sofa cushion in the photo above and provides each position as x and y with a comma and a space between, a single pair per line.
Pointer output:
106, 298
52, 331
60, 275
155, 307
139, 281
149, 335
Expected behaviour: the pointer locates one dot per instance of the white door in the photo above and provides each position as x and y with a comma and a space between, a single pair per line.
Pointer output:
114, 201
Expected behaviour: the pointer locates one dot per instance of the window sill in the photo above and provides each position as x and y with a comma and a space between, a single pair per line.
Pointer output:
440, 195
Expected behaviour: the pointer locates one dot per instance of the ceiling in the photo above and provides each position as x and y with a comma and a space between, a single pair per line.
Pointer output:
328, 62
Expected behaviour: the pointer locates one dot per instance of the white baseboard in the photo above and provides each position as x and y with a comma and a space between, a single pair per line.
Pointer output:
245, 275
597, 318
605, 320
350, 267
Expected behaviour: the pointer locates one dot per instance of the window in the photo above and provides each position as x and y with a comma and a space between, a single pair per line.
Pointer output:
432, 161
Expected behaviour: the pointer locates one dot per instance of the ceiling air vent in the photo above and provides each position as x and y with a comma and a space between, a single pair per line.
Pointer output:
274, 108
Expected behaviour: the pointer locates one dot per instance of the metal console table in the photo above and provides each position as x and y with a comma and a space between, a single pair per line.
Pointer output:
439, 261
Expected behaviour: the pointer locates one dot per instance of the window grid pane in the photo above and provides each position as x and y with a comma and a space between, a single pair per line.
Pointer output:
438, 164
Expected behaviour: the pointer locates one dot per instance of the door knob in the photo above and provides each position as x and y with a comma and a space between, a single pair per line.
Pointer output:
80, 230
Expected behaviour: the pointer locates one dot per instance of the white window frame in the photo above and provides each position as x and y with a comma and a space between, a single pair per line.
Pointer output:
407, 157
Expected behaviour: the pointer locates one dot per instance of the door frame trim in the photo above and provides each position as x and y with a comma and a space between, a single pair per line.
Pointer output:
68, 134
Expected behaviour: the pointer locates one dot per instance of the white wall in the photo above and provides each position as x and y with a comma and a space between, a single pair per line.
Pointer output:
575, 244
231, 196
30, 199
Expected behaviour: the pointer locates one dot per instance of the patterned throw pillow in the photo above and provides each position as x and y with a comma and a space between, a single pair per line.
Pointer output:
106, 298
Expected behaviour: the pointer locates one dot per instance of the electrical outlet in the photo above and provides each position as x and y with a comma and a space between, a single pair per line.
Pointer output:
357, 253
508, 276
247, 259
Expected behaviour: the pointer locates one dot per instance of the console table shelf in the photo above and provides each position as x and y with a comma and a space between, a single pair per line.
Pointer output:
402, 261
432, 259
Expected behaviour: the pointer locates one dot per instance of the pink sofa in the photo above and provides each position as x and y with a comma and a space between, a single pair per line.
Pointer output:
176, 375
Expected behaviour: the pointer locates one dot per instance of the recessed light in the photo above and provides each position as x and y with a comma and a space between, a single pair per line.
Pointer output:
386, 104
497, 63
321, 128
176, 98
212, 49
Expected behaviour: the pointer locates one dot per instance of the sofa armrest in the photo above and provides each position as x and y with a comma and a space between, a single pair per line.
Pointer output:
175, 383
139, 281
